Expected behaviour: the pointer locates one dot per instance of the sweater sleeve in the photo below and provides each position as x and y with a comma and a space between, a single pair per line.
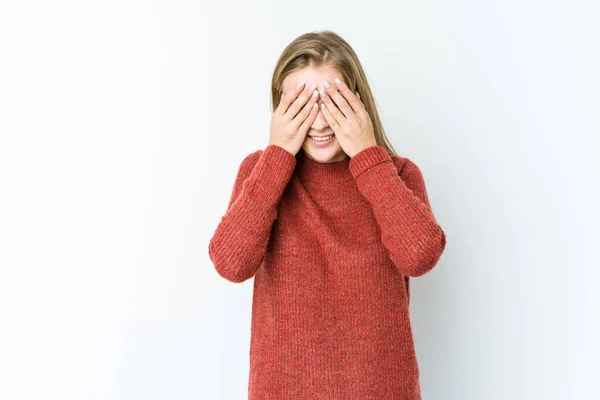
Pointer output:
238, 245
396, 191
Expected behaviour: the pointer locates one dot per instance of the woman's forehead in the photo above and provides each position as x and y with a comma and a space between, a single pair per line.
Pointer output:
310, 76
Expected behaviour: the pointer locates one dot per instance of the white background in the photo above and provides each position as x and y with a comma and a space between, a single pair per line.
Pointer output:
123, 124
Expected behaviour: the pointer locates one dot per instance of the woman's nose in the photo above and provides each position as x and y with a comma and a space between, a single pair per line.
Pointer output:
320, 122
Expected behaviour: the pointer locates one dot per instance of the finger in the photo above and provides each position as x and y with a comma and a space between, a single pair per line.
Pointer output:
303, 114
300, 101
333, 123
314, 110
352, 99
332, 108
339, 99
289, 97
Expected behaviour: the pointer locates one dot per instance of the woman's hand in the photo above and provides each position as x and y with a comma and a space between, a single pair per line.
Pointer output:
347, 117
293, 117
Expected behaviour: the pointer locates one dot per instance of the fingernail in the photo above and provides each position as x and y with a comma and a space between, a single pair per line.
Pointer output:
327, 85
315, 93
323, 93
300, 85
337, 80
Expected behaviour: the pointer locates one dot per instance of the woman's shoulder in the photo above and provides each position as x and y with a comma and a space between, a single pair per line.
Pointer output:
250, 159
400, 162
405, 166
246, 166
274, 153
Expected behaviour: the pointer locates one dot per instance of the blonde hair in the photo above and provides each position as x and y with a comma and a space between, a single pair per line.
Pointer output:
315, 49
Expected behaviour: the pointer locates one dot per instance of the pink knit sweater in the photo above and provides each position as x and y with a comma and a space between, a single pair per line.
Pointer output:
331, 247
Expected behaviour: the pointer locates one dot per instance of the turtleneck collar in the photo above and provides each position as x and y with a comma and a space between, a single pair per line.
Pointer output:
330, 172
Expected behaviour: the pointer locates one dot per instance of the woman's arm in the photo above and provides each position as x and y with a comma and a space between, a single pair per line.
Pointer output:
239, 243
396, 190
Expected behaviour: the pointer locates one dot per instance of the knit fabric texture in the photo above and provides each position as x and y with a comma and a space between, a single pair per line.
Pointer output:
331, 248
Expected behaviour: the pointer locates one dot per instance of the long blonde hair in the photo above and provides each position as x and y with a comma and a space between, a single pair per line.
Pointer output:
315, 49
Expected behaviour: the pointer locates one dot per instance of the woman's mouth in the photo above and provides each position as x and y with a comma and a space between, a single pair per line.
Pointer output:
322, 140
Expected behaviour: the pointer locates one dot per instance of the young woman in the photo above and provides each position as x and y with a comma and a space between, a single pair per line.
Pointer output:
331, 223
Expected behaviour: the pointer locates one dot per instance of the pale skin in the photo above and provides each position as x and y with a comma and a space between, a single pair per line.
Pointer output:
322, 105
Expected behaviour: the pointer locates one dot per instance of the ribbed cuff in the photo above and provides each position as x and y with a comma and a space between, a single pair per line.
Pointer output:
273, 171
367, 158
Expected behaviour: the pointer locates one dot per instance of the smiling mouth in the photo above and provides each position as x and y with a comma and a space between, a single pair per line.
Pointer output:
322, 138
